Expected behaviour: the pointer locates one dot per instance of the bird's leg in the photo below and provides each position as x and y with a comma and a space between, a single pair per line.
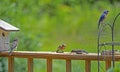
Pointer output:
59, 51
62, 51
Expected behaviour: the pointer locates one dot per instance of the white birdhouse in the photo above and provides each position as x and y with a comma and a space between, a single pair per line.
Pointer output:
5, 29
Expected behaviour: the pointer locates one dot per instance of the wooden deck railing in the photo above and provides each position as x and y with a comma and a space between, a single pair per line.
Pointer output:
49, 56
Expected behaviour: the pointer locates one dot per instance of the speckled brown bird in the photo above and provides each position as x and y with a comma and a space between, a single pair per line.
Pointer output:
61, 48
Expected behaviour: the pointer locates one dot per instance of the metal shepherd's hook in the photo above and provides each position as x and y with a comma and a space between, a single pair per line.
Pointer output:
113, 58
112, 36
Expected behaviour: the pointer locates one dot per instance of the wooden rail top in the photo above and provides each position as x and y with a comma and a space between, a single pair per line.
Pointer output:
54, 55
49, 56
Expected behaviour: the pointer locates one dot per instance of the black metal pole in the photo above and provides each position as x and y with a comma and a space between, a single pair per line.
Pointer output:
113, 57
98, 41
98, 52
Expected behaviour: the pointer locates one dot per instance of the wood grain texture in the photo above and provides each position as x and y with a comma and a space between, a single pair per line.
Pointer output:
68, 65
49, 65
108, 64
49, 56
54, 55
87, 66
11, 64
30, 64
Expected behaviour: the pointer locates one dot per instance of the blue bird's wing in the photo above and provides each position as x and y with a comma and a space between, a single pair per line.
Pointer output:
101, 19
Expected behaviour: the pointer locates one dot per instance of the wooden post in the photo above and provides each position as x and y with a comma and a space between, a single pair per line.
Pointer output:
10, 64
108, 64
68, 65
30, 64
49, 65
87, 66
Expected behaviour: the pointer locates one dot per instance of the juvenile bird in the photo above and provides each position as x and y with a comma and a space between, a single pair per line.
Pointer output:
13, 46
61, 48
102, 17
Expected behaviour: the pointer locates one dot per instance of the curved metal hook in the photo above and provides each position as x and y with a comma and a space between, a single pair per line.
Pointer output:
101, 28
113, 38
99, 34
115, 19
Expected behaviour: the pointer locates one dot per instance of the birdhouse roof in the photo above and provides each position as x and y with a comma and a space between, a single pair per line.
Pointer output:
7, 27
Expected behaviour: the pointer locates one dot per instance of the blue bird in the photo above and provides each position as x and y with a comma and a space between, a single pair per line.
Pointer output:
102, 17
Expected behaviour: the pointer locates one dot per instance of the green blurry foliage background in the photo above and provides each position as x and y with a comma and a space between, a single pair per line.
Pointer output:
44, 24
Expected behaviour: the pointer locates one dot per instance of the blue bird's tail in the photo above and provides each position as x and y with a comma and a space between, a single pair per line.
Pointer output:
98, 25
